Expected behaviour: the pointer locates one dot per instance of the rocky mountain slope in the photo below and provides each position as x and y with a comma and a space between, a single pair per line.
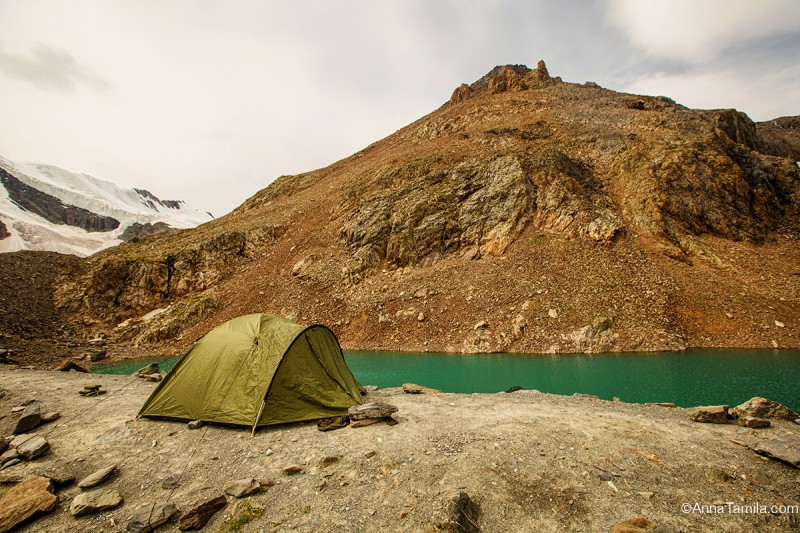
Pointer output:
43, 207
526, 214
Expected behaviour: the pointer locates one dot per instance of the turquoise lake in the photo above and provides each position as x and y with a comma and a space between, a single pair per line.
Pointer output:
693, 377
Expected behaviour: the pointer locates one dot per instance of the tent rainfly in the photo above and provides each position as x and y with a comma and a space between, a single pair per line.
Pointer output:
257, 370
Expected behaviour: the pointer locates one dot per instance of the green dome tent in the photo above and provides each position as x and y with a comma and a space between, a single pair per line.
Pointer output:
257, 370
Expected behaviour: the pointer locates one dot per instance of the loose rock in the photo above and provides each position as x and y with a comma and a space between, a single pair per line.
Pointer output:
752, 422
71, 364
148, 517
713, 414
98, 477
33, 448
198, 516
31, 418
195, 424
762, 408
172, 481
463, 513
51, 416
292, 470
95, 501
241, 487
25, 500
371, 410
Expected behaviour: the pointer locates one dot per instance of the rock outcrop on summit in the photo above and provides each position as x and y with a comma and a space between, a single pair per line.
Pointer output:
521, 195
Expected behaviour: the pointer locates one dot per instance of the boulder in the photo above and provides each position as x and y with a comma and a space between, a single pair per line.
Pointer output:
198, 516
785, 449
148, 517
33, 448
371, 410
241, 487
95, 501
26, 500
31, 418
762, 408
712, 414
98, 477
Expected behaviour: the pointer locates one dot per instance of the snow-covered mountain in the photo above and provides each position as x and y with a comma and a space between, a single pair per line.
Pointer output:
43, 207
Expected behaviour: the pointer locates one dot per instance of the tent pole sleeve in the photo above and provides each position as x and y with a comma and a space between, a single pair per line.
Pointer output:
258, 416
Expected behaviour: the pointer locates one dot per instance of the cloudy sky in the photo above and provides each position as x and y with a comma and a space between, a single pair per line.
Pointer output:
210, 100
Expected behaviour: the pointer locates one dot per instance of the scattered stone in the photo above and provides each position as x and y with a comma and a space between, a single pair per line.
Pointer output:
172, 481
149, 517
98, 355
481, 325
26, 500
646, 495
370, 454
463, 513
31, 418
718, 475
757, 478
713, 414
198, 516
515, 388
365, 422
9, 455
96, 478
292, 470
552, 313
410, 388
195, 424
60, 475
12, 462
639, 524
328, 460
762, 408
663, 404
241, 487
92, 389
371, 410
95, 501
152, 377
51, 416
753, 422
780, 324
72, 364
785, 449
300, 269
152, 368
34, 447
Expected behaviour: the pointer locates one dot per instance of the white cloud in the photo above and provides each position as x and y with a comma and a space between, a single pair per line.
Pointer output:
698, 31
762, 98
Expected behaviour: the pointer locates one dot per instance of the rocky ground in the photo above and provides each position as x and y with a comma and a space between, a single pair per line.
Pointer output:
531, 461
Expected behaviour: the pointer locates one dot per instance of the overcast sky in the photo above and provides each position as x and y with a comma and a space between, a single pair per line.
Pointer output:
210, 100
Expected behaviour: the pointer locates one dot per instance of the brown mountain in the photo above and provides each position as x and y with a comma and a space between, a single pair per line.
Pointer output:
526, 214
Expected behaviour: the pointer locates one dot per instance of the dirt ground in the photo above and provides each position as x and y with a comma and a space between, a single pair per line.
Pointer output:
533, 461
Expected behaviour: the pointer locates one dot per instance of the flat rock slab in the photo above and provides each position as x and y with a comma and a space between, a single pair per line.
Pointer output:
712, 414
413, 388
31, 418
33, 448
26, 500
371, 410
95, 501
785, 449
198, 516
148, 517
241, 487
95, 478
